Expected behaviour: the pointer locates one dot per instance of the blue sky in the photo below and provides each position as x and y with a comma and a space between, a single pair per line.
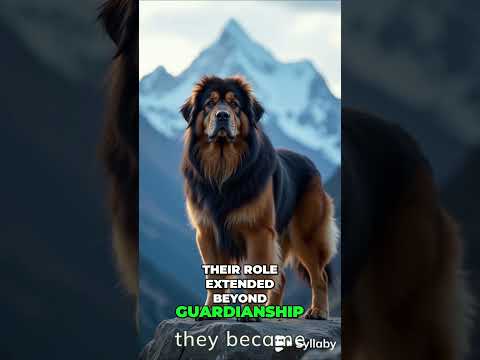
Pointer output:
172, 33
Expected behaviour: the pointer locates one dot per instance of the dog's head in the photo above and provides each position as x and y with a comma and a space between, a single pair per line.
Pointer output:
222, 117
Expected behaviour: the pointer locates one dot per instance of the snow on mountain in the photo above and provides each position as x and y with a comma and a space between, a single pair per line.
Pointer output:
300, 109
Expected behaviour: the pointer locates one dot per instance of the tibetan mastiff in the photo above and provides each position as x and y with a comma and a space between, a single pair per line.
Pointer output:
247, 201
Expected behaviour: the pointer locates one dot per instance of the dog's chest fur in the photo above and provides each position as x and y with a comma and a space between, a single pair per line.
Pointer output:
263, 193
248, 214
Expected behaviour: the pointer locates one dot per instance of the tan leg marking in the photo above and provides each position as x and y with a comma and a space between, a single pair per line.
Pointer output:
210, 255
313, 242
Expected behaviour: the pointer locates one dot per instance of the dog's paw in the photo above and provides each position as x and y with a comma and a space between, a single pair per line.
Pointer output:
315, 313
248, 319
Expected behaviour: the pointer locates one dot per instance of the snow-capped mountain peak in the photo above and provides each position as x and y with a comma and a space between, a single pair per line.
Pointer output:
231, 53
300, 109
233, 30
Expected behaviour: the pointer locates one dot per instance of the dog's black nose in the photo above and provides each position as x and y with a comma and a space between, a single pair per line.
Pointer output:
222, 115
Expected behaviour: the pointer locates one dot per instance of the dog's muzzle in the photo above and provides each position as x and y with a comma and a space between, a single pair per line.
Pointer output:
222, 127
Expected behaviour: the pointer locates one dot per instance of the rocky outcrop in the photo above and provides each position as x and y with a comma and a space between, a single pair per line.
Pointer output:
221, 340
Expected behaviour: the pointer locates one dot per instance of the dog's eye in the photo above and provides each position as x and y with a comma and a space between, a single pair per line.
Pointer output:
210, 103
234, 105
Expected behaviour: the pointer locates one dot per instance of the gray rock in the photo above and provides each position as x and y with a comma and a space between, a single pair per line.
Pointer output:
164, 344
336, 354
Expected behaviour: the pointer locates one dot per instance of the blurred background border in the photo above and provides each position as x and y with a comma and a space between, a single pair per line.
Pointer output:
61, 297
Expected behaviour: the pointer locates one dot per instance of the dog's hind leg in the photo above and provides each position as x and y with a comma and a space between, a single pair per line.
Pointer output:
313, 236
319, 308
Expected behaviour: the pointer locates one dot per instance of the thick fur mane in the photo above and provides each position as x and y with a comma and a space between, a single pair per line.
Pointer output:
245, 184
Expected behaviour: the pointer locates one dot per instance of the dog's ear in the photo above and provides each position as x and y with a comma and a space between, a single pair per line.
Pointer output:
257, 109
116, 17
186, 111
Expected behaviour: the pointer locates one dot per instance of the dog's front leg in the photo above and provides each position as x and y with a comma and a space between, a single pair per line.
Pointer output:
263, 249
210, 256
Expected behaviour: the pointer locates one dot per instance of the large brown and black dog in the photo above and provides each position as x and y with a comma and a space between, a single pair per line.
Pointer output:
247, 201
